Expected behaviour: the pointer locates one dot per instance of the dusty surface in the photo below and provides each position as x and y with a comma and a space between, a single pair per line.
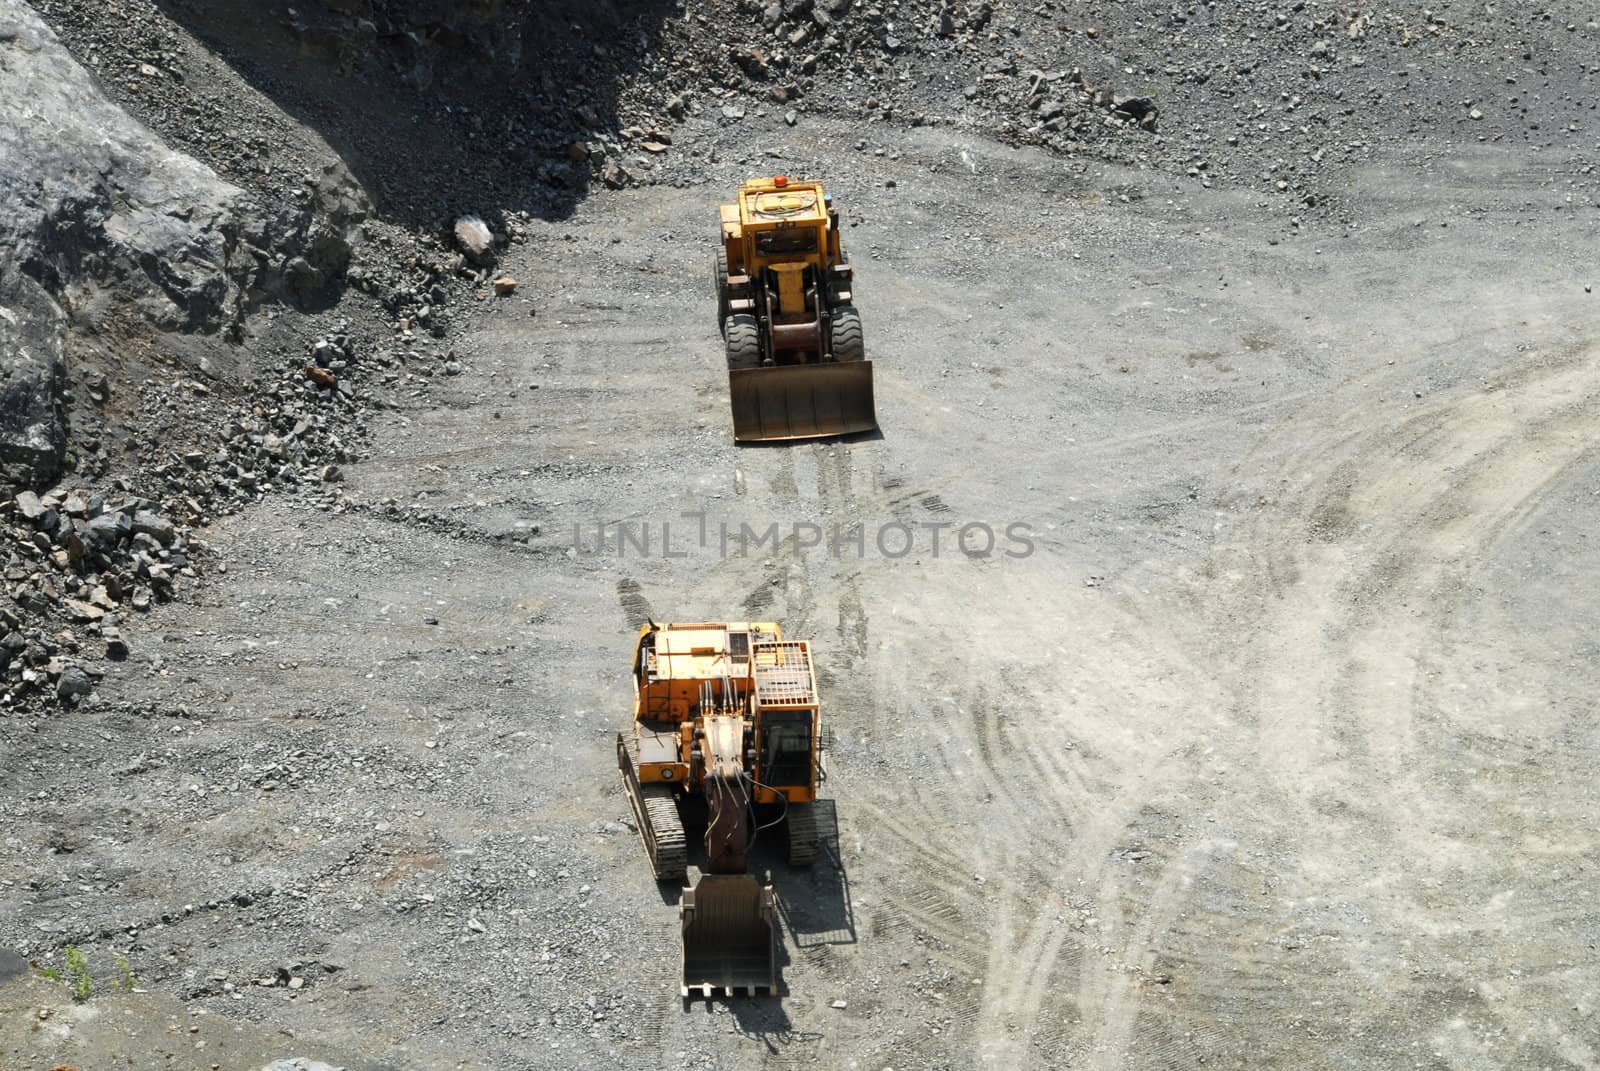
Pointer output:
1277, 751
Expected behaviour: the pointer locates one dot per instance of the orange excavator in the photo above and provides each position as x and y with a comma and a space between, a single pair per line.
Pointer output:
726, 726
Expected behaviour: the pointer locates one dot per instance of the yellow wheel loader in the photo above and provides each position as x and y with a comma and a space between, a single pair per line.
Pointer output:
725, 732
797, 366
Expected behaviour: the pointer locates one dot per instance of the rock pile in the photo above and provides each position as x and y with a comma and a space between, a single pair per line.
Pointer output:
82, 559
1278, 98
76, 564
295, 432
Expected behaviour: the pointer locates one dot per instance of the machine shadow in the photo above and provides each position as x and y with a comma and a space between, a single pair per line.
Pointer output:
439, 110
762, 1019
815, 903
768, 1022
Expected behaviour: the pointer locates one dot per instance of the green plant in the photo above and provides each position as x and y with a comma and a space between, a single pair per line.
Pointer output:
50, 973
127, 980
78, 974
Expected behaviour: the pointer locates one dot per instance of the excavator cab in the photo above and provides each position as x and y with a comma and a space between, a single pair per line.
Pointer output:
797, 366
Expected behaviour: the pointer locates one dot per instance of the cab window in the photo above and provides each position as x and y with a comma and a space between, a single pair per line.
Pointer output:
786, 242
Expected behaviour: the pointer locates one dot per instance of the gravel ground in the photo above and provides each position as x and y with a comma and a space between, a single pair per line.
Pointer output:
1274, 752
1275, 749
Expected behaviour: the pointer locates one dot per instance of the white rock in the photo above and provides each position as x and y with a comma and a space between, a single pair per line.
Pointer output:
474, 236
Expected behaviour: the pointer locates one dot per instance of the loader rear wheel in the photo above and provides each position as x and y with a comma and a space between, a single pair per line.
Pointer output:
719, 285
741, 338
848, 344
719, 271
804, 836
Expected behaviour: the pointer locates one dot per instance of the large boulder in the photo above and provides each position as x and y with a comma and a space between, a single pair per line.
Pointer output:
100, 218
305, 246
91, 199
33, 434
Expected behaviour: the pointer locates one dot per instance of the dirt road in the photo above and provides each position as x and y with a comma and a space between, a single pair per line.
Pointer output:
1275, 749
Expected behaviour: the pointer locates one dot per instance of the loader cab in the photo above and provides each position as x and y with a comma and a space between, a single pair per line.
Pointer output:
776, 221
786, 243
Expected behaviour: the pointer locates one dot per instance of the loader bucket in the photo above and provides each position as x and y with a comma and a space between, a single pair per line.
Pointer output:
728, 937
801, 401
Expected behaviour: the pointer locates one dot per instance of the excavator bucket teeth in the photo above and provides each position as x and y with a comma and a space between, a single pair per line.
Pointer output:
780, 403
728, 941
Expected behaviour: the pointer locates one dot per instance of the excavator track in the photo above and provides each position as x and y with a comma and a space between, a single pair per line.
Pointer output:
804, 834
656, 809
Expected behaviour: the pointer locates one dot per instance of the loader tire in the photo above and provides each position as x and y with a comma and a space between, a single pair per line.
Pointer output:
719, 285
848, 344
741, 337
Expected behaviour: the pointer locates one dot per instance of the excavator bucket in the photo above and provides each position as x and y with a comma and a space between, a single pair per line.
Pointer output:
728, 939
780, 403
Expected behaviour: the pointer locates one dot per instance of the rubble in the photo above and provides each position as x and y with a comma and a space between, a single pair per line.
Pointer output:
91, 560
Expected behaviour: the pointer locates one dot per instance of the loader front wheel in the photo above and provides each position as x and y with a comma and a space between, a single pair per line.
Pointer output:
741, 337
848, 344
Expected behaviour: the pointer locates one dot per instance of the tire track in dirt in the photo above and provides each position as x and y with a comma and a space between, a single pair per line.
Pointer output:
991, 736
1468, 471
1361, 557
1027, 941
636, 609
1097, 822
1058, 813
1109, 997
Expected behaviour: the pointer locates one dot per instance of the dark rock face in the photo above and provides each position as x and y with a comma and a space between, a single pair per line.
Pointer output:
91, 204
489, 30
91, 200
305, 247
32, 371
99, 216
